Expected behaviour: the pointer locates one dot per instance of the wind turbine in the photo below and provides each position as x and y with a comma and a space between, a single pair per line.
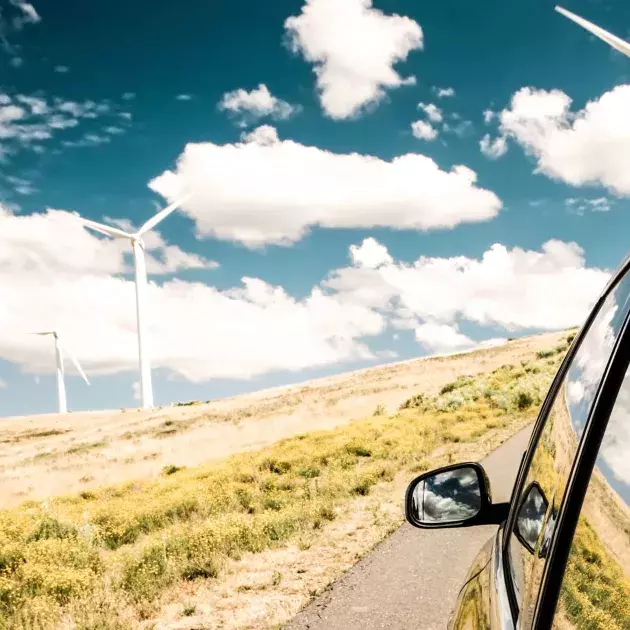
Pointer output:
141, 285
609, 38
61, 385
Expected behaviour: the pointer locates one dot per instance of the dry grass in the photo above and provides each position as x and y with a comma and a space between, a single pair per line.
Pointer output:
45, 456
118, 557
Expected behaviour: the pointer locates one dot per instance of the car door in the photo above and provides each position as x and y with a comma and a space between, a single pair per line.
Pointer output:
542, 498
595, 589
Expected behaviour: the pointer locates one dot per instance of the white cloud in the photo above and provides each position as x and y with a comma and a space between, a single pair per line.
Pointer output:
114, 130
54, 273
370, 254
588, 146
266, 190
61, 69
56, 243
128, 96
29, 14
264, 135
444, 92
13, 18
20, 185
353, 48
256, 104
462, 128
31, 121
493, 149
3, 383
37, 105
423, 130
433, 112
183, 97
488, 116
441, 337
578, 205
515, 289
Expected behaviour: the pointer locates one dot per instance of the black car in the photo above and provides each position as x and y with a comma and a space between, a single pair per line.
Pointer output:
561, 556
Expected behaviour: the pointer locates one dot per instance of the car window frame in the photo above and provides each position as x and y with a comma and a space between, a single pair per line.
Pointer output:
567, 515
579, 478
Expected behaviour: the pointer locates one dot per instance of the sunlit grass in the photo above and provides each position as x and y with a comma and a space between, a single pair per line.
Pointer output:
595, 591
103, 558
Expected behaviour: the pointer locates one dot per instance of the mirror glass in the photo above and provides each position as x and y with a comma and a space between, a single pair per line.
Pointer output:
529, 520
447, 497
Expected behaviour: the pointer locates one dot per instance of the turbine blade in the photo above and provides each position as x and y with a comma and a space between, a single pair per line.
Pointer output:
76, 363
161, 215
105, 229
609, 38
50, 332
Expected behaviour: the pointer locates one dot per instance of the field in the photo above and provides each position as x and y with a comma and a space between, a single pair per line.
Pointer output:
245, 541
44, 456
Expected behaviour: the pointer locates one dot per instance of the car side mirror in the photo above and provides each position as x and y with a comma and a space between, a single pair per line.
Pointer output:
453, 496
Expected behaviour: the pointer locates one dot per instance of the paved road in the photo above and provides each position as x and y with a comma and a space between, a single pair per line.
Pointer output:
412, 579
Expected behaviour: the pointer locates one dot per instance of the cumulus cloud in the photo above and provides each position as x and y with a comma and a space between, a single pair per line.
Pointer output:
353, 48
55, 274
423, 130
251, 106
512, 288
264, 135
441, 337
493, 149
370, 254
55, 242
183, 97
265, 190
587, 146
433, 112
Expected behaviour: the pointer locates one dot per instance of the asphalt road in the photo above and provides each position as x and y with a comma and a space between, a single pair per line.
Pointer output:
412, 579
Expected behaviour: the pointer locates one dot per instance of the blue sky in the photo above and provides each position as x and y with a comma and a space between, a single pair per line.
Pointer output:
145, 79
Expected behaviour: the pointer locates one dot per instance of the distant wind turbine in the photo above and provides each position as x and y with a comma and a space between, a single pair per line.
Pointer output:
61, 385
141, 284
612, 40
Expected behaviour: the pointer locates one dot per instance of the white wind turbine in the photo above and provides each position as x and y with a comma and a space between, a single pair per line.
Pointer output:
612, 40
141, 285
61, 385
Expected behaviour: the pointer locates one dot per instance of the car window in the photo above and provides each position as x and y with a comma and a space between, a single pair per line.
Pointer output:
595, 590
540, 500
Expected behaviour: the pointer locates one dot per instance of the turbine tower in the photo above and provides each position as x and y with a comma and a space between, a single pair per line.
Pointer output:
61, 385
141, 286
609, 38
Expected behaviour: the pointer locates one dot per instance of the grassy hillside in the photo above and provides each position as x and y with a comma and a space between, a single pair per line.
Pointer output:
50, 455
106, 557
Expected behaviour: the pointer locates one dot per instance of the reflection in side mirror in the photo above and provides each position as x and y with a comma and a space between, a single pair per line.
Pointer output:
530, 517
448, 497
453, 496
